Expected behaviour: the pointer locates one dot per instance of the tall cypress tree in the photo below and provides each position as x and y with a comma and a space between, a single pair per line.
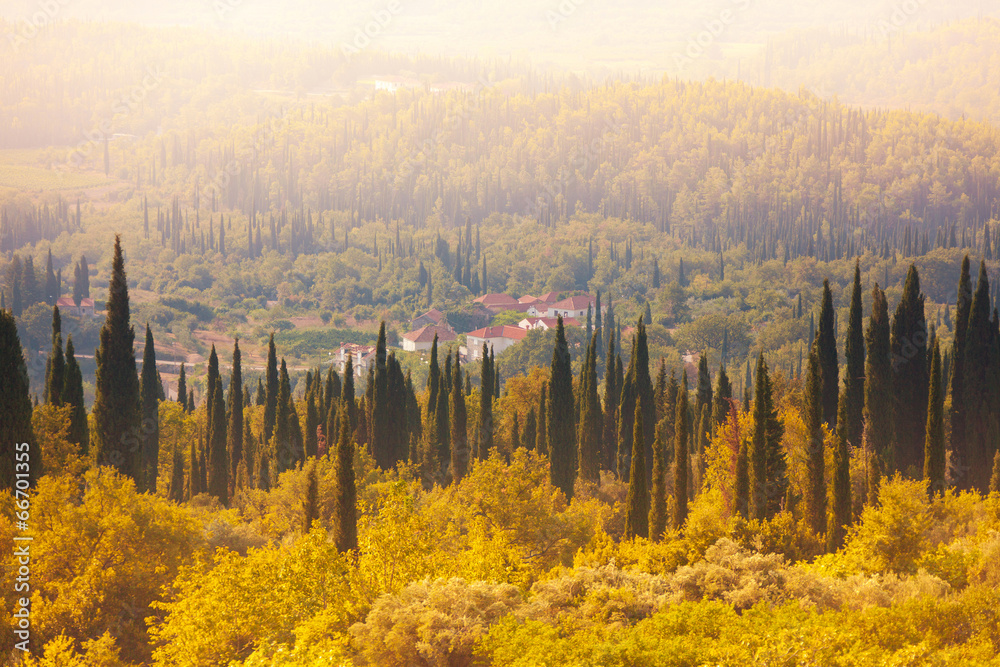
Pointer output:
908, 342
979, 393
704, 393
530, 433
854, 352
116, 402
55, 370
612, 397
681, 460
934, 446
182, 388
723, 394
561, 416
72, 395
441, 456
812, 414
484, 424
840, 515
826, 337
284, 448
51, 283
344, 521
15, 406
637, 501
218, 462
311, 438
542, 440
878, 438
271, 389
591, 419
658, 491
660, 390
397, 413
459, 426
379, 422
959, 449
234, 438
149, 393
768, 468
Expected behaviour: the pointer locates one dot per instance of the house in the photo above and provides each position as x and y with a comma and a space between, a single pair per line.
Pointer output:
422, 339
392, 84
546, 323
574, 306
362, 357
431, 317
497, 338
67, 305
497, 303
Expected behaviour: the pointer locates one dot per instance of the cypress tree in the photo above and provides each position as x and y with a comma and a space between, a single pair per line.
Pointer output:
116, 403
854, 352
979, 393
908, 343
878, 438
190, 401
459, 426
612, 397
259, 398
530, 433
344, 522
234, 439
768, 478
283, 446
812, 414
397, 413
15, 406
484, 424
681, 463
192, 489
271, 389
149, 397
826, 337
433, 378
959, 449
591, 419
51, 284
310, 437
347, 395
72, 395
723, 394
379, 424
703, 396
840, 515
660, 390
934, 446
182, 388
561, 416
218, 462
55, 371
442, 428
542, 440
637, 501
658, 493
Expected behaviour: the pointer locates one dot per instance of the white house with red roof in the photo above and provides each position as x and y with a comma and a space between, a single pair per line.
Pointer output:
68, 305
422, 339
498, 303
432, 316
546, 323
497, 338
362, 357
574, 306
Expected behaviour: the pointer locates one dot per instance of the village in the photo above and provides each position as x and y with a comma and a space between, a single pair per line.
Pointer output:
541, 312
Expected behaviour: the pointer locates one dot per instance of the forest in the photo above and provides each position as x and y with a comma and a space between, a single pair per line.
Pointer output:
772, 440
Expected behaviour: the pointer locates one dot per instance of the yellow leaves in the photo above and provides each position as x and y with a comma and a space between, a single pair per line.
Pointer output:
51, 428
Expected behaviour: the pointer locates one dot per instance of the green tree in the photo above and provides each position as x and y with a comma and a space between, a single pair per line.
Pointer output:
723, 394
591, 418
55, 368
218, 461
840, 498
149, 395
72, 395
484, 423
81, 281
15, 408
908, 342
959, 448
812, 415
561, 416
379, 439
284, 447
272, 386
459, 426
979, 393
116, 398
934, 444
768, 468
854, 374
637, 501
826, 338
878, 440
182, 388
234, 438
542, 441
681, 460
658, 493
344, 521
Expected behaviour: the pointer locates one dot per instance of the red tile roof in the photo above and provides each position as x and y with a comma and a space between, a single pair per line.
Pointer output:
500, 331
67, 302
426, 334
578, 302
496, 300
549, 297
